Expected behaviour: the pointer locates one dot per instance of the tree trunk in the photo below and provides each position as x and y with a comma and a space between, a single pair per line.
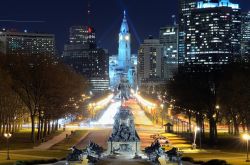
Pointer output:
212, 130
1, 124
45, 128
56, 125
244, 126
236, 126
4, 125
42, 125
32, 117
38, 128
49, 127
229, 128
189, 123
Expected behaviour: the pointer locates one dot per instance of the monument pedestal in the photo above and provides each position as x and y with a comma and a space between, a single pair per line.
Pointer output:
124, 147
124, 138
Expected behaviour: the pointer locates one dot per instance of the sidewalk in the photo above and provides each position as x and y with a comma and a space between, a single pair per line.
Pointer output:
47, 145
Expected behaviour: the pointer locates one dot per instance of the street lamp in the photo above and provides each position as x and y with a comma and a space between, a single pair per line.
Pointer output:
195, 136
92, 105
8, 136
162, 114
171, 106
247, 138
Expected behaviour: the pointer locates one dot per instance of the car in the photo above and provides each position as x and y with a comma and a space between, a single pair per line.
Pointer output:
83, 124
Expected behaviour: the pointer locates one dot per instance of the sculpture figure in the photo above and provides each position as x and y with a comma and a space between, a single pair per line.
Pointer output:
124, 88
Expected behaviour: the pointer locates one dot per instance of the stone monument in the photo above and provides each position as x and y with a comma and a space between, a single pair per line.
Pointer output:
124, 138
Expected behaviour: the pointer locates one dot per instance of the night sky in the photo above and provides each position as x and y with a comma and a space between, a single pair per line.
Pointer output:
145, 17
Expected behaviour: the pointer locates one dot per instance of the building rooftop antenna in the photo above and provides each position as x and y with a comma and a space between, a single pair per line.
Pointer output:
89, 13
174, 19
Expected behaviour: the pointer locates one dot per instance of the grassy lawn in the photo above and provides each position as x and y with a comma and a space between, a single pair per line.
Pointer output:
228, 143
46, 153
21, 140
31, 155
177, 141
231, 158
21, 148
71, 141
229, 148
127, 162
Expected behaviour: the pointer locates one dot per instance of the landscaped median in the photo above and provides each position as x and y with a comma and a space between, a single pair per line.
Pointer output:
230, 158
31, 155
198, 156
21, 140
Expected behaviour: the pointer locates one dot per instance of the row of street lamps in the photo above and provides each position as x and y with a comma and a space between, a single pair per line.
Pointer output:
197, 130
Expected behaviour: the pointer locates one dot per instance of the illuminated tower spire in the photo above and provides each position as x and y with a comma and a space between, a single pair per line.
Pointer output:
124, 50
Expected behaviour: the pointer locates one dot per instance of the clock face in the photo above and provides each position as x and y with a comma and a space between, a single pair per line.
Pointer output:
127, 37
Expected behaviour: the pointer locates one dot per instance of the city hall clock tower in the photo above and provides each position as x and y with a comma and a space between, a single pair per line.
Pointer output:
124, 50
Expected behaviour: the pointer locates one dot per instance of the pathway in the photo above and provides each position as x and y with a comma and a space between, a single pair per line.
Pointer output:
139, 115
48, 144
99, 137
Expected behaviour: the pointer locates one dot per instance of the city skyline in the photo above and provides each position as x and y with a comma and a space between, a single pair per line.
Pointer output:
130, 82
56, 17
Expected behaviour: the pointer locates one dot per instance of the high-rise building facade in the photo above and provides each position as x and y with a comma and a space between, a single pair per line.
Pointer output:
24, 43
169, 39
185, 9
82, 35
245, 32
83, 55
150, 64
213, 37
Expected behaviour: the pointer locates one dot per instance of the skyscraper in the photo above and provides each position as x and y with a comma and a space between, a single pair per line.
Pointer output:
150, 66
83, 55
185, 9
169, 39
213, 37
245, 31
82, 35
24, 43
81, 49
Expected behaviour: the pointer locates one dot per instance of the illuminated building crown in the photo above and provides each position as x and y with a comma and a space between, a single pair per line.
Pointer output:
217, 3
124, 26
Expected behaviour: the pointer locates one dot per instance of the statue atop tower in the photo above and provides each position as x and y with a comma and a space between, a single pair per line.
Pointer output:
124, 50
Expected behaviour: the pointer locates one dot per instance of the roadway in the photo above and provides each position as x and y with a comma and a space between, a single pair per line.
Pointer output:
103, 127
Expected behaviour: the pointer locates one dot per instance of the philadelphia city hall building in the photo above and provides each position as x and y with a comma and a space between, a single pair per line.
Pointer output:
124, 64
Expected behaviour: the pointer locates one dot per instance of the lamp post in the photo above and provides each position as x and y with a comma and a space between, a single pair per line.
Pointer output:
8, 136
42, 125
247, 138
195, 136
170, 109
92, 106
162, 114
